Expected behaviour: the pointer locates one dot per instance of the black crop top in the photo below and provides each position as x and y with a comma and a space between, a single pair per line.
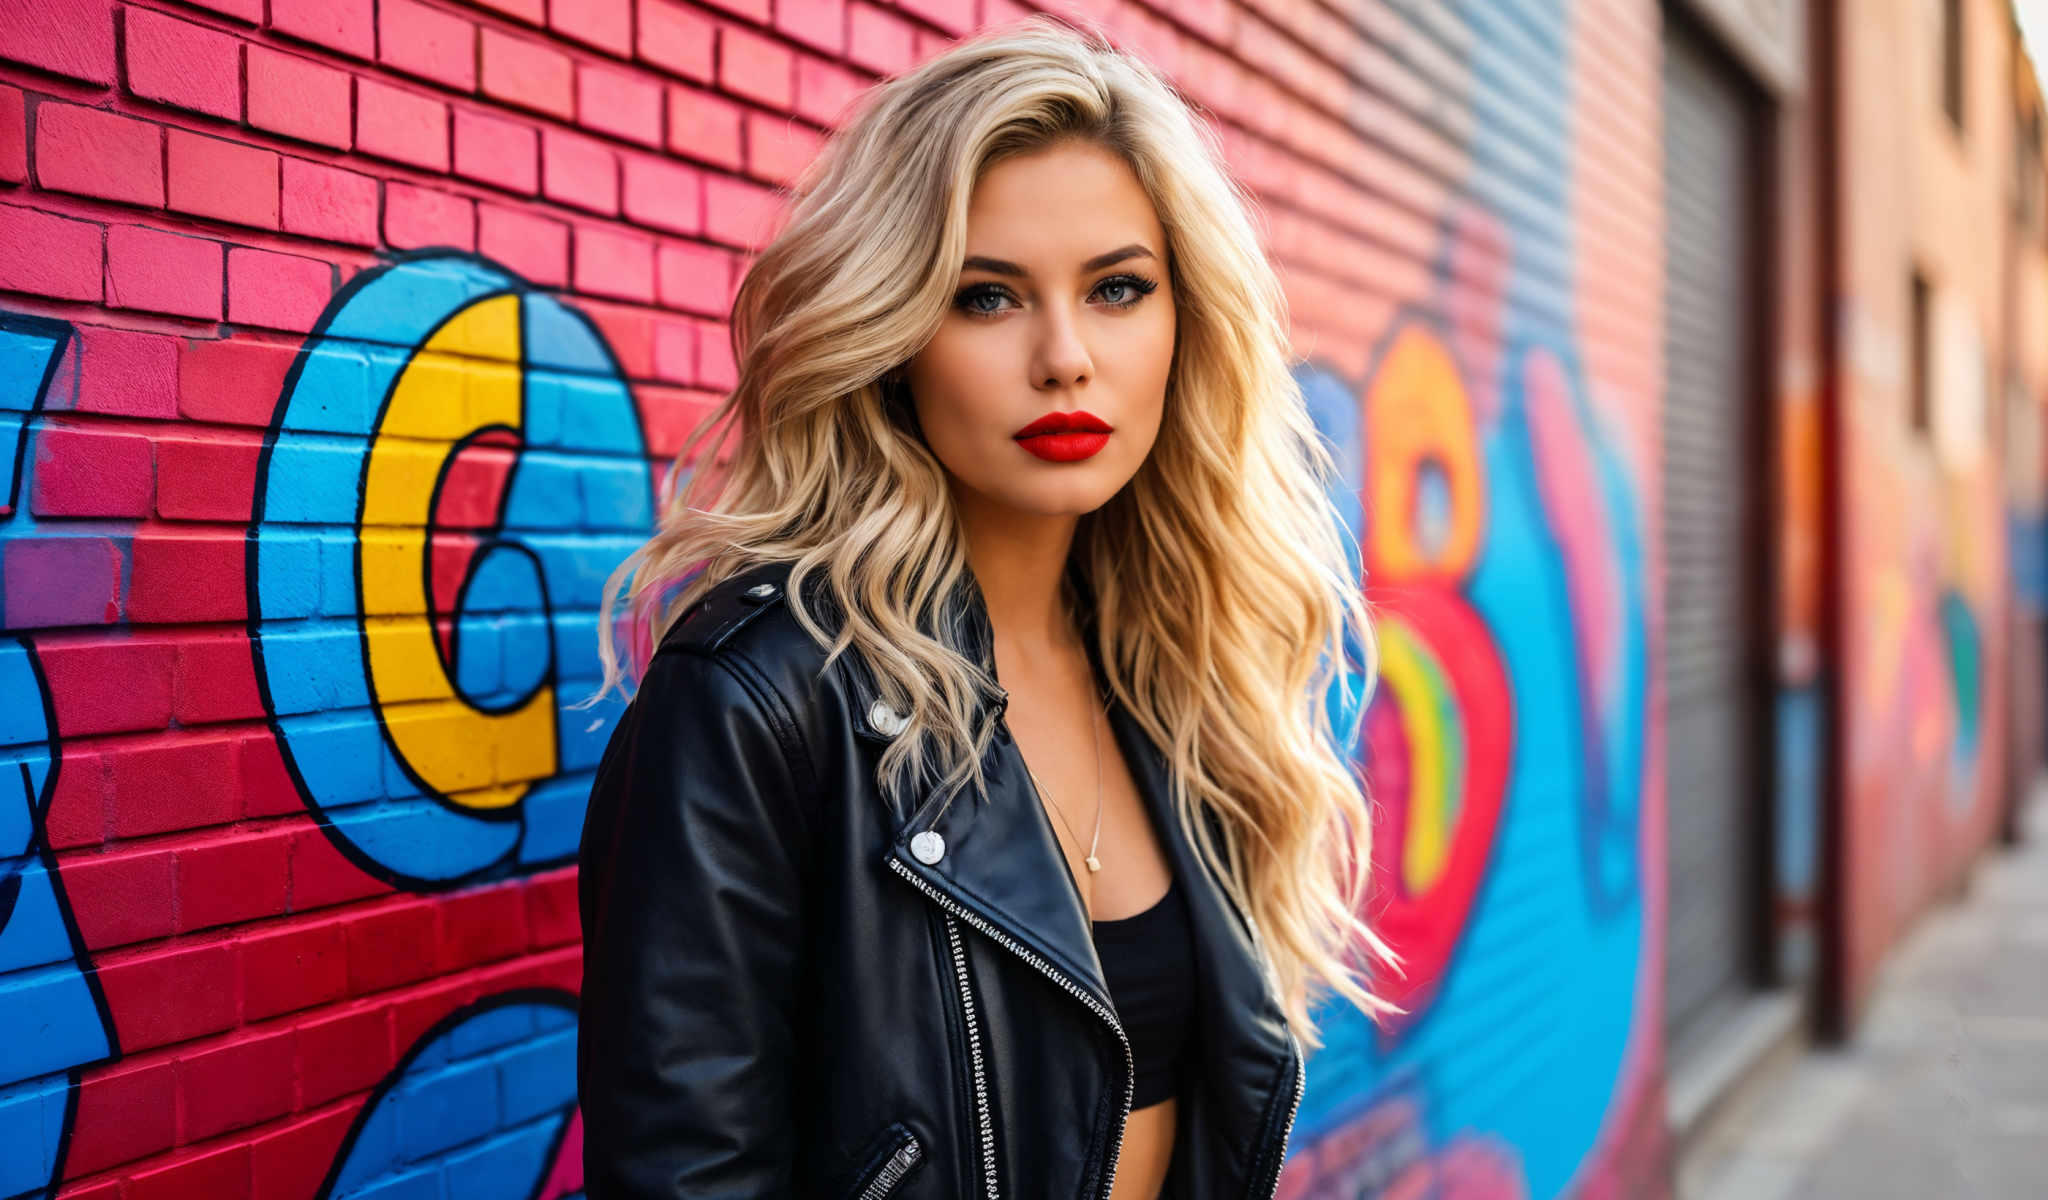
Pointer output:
1149, 962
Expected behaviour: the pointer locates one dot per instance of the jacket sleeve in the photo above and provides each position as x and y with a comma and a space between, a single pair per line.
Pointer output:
693, 856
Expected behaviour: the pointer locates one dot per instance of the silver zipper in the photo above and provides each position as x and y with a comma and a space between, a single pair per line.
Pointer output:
893, 1171
987, 1127
1287, 1127
1053, 973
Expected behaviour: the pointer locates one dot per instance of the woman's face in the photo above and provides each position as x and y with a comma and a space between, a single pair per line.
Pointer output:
1042, 390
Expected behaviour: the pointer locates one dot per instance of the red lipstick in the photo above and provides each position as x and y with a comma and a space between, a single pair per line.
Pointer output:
1065, 436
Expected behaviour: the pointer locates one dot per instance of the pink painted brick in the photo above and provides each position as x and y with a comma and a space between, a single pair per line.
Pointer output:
416, 217
228, 181
620, 103
402, 126
613, 263
956, 17
181, 64
695, 278
778, 149
579, 171
753, 10
13, 136
630, 333
55, 581
242, 10
277, 291
756, 68
299, 98
49, 256
535, 248
533, 12
738, 212
96, 153
526, 73
677, 39
825, 91
344, 25
706, 127
163, 272
73, 38
675, 351
605, 24
181, 578
90, 473
819, 24
502, 153
126, 372
716, 367
328, 202
427, 42
232, 381
663, 194
208, 478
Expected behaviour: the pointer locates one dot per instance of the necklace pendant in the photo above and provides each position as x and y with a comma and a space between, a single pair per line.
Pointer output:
1094, 863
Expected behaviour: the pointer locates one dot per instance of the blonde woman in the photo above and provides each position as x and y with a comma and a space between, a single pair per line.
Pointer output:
976, 828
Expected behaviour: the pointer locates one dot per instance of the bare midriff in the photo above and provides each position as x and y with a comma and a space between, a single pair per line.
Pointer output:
1148, 1149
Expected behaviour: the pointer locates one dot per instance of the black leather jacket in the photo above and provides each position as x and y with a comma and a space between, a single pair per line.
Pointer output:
781, 998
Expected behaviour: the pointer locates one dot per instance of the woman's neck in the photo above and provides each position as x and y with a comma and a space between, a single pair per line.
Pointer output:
1020, 561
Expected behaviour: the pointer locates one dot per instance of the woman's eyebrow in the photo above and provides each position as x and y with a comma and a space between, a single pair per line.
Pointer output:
1001, 266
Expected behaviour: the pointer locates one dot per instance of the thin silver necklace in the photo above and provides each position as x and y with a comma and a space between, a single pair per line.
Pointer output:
1095, 735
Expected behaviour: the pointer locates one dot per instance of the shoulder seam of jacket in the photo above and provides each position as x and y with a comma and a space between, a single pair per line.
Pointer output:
795, 750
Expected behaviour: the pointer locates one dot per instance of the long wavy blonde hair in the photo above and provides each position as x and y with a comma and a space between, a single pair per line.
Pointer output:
1224, 601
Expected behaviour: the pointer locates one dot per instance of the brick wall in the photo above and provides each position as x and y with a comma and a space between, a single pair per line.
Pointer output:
342, 343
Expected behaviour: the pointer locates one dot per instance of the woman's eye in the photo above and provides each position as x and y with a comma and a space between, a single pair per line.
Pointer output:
1119, 291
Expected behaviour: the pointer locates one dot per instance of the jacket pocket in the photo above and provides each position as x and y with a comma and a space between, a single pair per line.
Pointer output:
892, 1155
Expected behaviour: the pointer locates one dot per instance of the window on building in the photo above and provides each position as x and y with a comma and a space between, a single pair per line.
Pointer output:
1952, 61
1919, 399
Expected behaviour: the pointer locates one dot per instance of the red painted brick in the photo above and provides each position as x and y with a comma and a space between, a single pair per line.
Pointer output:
277, 291
99, 154
416, 217
579, 171
738, 212
175, 782
756, 67
533, 12
427, 42
618, 102
207, 478
342, 1052
343, 25
123, 372
956, 17
242, 10
420, 1009
233, 381
77, 814
13, 136
299, 98
616, 264
49, 582
181, 64
228, 181
322, 875
402, 126
293, 967
536, 248
214, 679
327, 202
482, 926
705, 127
291, 1161
629, 331
663, 194
606, 24
819, 24
753, 10
695, 278
715, 365
676, 39
551, 909
779, 149
826, 91
234, 879
187, 577
121, 898
528, 74
234, 1085
73, 38
675, 351
163, 272
161, 997
121, 1115
268, 789
212, 1171
502, 153
670, 415
391, 945
49, 256
89, 473
78, 669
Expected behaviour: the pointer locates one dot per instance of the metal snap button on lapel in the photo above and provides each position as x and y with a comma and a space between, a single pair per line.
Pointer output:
760, 593
929, 847
887, 721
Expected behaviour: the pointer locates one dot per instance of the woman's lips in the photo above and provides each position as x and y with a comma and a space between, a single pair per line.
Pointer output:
1065, 437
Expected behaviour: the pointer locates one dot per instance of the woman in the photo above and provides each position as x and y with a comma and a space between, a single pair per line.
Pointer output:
977, 827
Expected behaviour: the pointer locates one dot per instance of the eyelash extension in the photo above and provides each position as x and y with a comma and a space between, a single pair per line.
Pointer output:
1137, 283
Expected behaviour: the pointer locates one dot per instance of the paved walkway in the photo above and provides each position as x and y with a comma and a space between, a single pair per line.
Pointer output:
1944, 1094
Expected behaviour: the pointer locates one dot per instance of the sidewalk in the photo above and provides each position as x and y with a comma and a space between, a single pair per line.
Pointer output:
1944, 1094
